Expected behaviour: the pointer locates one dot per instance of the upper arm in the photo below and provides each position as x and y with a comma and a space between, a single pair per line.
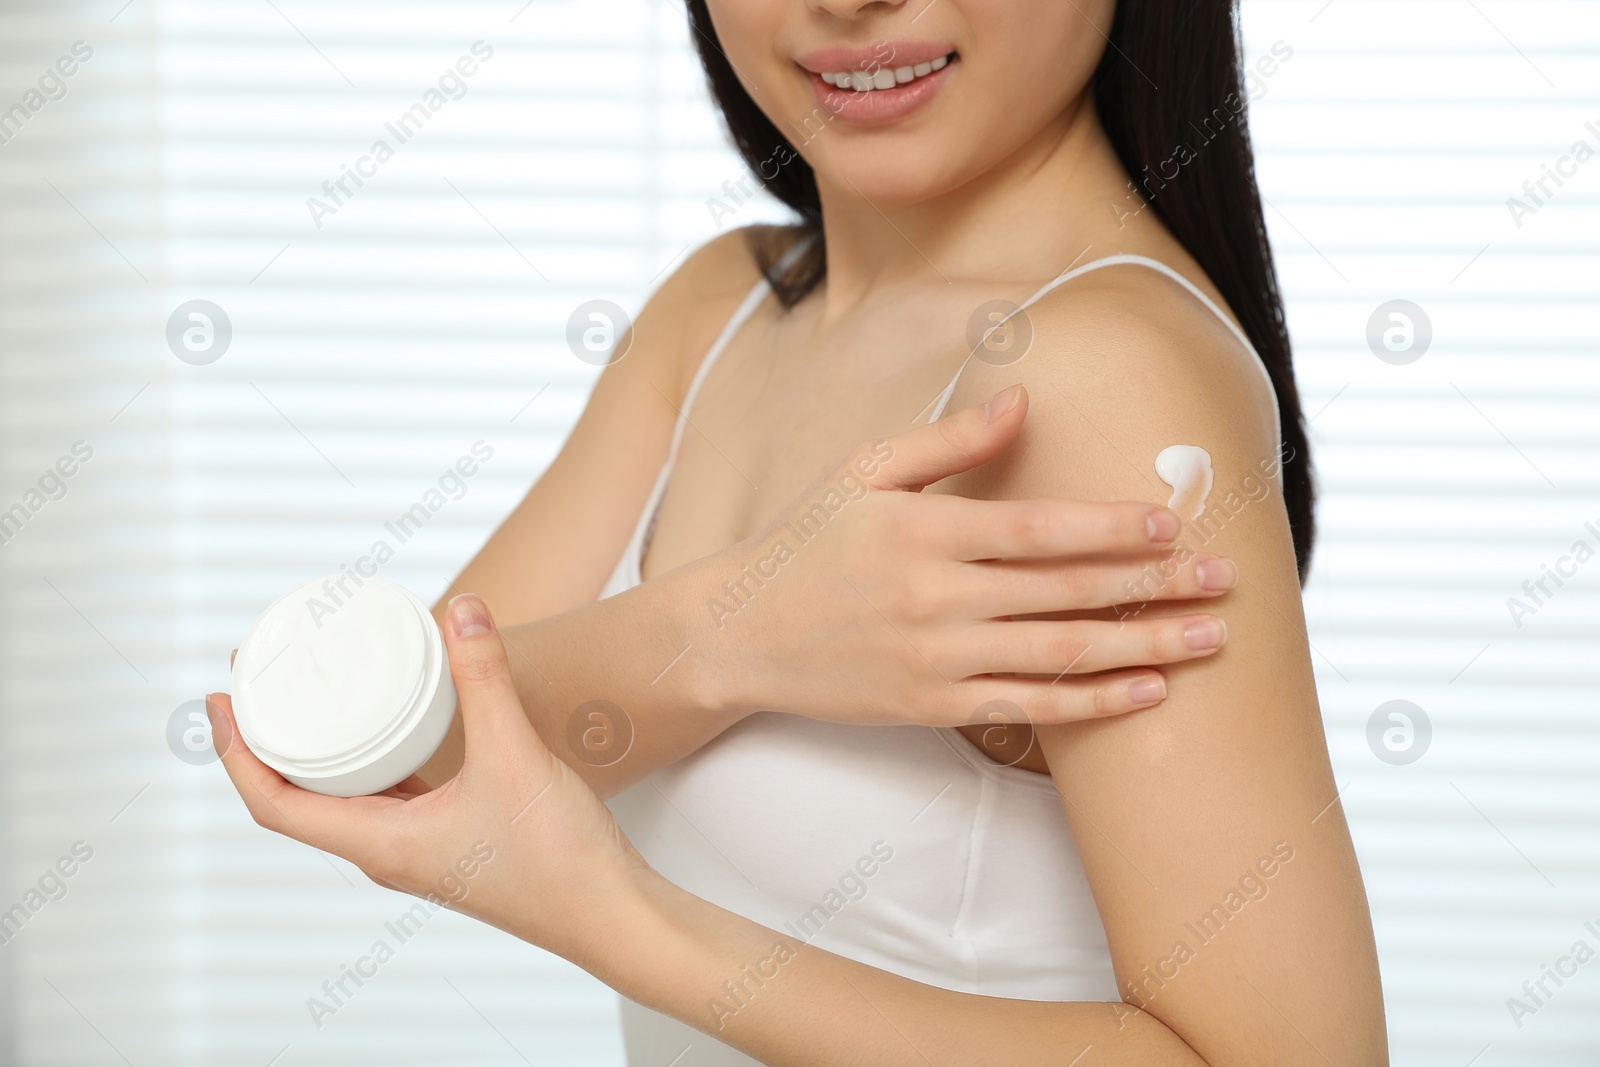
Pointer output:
1222, 869
585, 506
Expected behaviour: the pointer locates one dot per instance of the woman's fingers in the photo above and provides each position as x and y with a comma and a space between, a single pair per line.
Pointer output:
330, 823
1043, 702
491, 711
1045, 529
958, 442
1088, 646
1031, 587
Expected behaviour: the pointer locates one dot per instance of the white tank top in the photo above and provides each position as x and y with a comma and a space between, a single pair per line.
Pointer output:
902, 847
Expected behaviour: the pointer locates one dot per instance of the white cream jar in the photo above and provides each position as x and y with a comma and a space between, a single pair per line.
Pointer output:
343, 686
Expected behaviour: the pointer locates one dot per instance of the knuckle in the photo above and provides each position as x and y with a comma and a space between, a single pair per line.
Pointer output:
1067, 650
1155, 580
1126, 525
1029, 526
1090, 701
1072, 584
1158, 641
1108, 524
1103, 700
263, 808
1189, 574
1040, 706
950, 433
478, 664
1174, 643
921, 604
916, 602
1045, 708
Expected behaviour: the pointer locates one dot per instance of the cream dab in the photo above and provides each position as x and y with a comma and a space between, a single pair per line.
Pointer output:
1187, 468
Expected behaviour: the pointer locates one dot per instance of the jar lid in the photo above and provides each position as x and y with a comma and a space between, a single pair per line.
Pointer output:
329, 673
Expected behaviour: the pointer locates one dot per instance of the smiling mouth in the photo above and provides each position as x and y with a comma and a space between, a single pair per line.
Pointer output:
885, 77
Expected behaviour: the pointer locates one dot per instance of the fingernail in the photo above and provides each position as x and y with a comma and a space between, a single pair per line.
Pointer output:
1147, 691
1218, 574
1163, 526
469, 616
1001, 403
1205, 633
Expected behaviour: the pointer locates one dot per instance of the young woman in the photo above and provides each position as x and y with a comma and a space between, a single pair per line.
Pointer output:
1046, 206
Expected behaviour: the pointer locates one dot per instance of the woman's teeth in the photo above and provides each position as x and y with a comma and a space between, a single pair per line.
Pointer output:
884, 77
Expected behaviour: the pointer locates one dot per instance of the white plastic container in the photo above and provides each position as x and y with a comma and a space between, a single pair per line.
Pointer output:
343, 686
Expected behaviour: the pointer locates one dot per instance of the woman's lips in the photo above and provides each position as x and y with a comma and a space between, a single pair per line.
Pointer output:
879, 107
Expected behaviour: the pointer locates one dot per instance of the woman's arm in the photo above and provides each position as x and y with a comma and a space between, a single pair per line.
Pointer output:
624, 686
554, 552
517, 840
789, 1004
1221, 863
888, 614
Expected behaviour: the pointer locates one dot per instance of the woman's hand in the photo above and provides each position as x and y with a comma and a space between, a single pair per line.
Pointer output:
868, 601
516, 839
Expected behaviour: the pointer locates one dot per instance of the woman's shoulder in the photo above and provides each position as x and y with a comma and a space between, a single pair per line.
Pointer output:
705, 289
1139, 326
731, 259
1123, 362
1128, 353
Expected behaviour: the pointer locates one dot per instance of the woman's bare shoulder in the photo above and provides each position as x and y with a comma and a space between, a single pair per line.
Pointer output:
727, 263
1133, 333
1120, 363
693, 303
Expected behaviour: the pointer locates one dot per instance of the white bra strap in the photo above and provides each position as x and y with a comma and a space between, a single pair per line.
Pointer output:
758, 293
1108, 261
747, 307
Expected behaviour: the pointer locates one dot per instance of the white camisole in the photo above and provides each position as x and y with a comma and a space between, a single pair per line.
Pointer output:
902, 847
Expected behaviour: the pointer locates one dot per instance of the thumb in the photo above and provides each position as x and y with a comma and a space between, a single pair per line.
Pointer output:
958, 442
492, 715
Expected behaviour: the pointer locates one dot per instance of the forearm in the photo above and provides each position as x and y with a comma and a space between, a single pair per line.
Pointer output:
614, 688
789, 1004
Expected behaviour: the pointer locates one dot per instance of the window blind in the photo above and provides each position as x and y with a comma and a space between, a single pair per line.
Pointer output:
377, 326
378, 331
1453, 470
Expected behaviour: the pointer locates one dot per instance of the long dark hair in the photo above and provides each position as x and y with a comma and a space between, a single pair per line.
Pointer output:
1170, 76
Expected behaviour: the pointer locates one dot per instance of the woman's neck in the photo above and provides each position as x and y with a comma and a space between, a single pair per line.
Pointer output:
1023, 219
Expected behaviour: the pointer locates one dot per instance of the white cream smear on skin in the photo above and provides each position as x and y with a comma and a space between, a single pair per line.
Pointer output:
1187, 468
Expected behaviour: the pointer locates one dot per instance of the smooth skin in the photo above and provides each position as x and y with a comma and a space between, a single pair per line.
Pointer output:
989, 192
869, 631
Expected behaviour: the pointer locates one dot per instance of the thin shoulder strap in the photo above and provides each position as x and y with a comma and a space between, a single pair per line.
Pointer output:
758, 293
747, 307
1078, 272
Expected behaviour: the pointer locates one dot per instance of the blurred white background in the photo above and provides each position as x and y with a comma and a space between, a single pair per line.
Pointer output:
428, 312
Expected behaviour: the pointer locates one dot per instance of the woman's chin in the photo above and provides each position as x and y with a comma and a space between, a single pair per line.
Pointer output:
887, 180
